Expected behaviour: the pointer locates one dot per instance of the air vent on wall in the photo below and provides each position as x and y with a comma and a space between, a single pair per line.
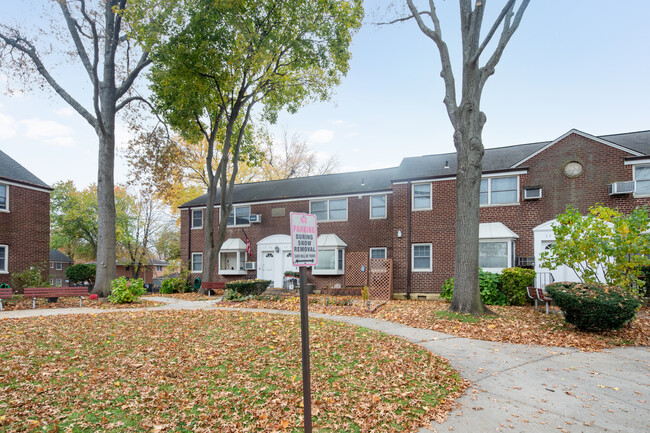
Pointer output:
532, 192
621, 187
250, 266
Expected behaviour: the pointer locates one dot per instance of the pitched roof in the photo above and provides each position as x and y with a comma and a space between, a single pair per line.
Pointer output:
10, 170
58, 256
411, 168
306, 187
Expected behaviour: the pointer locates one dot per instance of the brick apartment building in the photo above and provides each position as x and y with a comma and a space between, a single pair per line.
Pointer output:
24, 219
407, 213
59, 262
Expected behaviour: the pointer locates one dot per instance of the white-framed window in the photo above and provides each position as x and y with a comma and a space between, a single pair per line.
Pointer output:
4, 198
421, 258
499, 190
329, 210
51, 265
421, 196
642, 179
197, 218
159, 268
51, 281
331, 261
239, 216
197, 263
59, 282
231, 262
59, 266
494, 255
378, 253
377, 207
4, 259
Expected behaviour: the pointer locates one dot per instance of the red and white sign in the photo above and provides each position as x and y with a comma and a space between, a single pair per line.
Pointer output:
304, 239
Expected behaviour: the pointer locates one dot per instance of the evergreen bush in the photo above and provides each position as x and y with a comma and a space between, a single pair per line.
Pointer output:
594, 306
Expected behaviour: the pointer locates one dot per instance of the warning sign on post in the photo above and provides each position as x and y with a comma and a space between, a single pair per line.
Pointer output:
304, 239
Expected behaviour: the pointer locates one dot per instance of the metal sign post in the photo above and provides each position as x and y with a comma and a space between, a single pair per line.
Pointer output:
304, 252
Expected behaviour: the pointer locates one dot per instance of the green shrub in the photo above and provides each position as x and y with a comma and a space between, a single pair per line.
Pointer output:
32, 277
81, 273
125, 291
245, 288
175, 285
490, 286
594, 306
514, 283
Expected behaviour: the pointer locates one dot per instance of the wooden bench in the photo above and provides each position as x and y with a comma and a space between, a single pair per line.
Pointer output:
539, 295
55, 292
5, 293
212, 286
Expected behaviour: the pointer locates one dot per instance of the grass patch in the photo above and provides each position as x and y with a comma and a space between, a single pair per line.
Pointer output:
212, 371
464, 318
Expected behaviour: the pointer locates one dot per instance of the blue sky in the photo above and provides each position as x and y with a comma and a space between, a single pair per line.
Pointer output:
581, 64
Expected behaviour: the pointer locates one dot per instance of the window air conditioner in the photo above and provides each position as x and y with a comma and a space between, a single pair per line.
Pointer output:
250, 266
255, 218
532, 193
621, 187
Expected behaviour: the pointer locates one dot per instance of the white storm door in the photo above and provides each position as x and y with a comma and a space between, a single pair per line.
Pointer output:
268, 266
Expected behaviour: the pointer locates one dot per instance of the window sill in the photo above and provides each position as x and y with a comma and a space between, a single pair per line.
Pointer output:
196, 272
421, 209
332, 221
377, 218
501, 204
421, 270
4, 210
237, 226
232, 272
326, 272
197, 228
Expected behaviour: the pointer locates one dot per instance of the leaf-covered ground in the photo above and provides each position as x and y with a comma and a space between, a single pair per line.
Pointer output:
521, 325
26, 304
209, 371
190, 296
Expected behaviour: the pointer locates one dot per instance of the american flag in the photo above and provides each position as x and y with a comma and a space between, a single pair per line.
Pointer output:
249, 251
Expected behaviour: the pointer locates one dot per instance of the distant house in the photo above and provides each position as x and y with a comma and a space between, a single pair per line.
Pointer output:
406, 214
149, 273
59, 262
24, 219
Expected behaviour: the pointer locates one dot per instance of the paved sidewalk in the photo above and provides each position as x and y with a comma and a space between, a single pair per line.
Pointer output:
516, 388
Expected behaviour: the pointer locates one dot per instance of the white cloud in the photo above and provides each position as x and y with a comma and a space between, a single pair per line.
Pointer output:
49, 132
65, 111
321, 136
8, 127
338, 122
351, 134
38, 129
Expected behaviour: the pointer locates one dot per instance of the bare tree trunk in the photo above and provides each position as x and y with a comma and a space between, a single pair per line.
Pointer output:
106, 257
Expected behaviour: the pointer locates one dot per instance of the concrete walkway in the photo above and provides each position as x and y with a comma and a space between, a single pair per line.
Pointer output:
515, 388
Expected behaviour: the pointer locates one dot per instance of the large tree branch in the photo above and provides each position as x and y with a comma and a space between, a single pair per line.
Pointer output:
26, 47
508, 30
447, 73
128, 82
73, 28
508, 7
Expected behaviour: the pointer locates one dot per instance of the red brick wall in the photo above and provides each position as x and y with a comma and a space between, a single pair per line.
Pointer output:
26, 230
54, 274
359, 232
602, 164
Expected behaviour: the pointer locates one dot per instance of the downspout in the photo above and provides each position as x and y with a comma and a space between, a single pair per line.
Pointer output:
189, 237
408, 240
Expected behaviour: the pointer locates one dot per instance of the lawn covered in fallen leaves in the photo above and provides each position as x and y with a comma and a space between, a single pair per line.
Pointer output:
209, 371
519, 325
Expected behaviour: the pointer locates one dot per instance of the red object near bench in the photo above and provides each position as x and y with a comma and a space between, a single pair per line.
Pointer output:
5, 293
212, 286
539, 295
55, 292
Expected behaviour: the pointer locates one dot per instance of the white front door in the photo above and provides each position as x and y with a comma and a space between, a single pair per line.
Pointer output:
274, 254
268, 266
